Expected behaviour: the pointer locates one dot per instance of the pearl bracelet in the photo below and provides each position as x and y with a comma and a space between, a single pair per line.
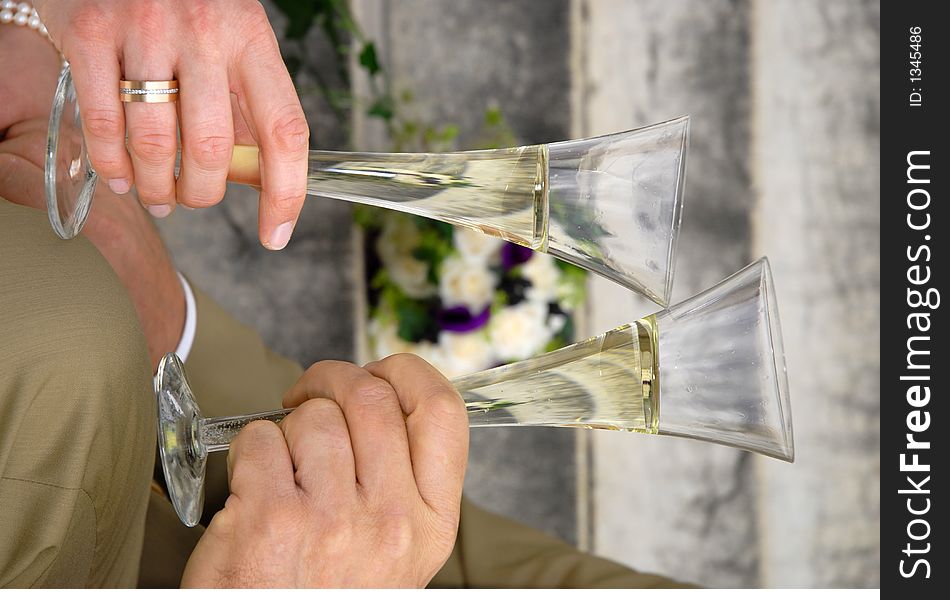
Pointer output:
23, 14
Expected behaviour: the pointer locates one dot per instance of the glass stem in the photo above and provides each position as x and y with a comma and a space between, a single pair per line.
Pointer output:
605, 382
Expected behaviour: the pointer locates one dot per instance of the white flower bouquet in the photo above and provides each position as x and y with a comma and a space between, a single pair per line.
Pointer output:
460, 299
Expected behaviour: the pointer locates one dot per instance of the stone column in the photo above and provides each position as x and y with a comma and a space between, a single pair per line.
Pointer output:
816, 169
665, 505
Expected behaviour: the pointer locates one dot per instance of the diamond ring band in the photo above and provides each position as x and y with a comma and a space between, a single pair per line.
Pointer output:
148, 91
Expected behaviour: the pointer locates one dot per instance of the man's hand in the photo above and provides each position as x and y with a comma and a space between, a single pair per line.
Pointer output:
119, 228
360, 486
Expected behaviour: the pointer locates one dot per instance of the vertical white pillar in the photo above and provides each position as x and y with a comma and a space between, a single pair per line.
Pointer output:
816, 170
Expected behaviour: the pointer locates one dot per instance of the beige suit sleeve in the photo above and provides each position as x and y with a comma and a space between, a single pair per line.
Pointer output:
230, 369
492, 551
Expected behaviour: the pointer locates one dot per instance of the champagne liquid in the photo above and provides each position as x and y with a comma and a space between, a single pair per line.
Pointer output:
502, 193
605, 382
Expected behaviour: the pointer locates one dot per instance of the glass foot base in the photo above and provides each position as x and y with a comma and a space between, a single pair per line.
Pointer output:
70, 179
183, 456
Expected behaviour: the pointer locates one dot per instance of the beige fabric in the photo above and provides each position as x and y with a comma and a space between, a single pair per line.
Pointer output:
77, 416
493, 551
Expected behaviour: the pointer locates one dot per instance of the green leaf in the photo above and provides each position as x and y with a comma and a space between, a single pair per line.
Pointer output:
367, 217
368, 58
569, 269
493, 117
413, 321
380, 281
382, 107
444, 229
449, 133
499, 301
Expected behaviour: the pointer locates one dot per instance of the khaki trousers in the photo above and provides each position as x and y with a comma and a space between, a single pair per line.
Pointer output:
77, 435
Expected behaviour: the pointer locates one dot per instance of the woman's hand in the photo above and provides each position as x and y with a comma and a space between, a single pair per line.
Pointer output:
225, 57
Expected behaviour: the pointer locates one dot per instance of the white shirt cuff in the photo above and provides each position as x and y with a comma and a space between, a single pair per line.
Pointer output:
191, 321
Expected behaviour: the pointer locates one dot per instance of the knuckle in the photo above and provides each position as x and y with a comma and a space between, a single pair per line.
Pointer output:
445, 405
202, 18
209, 151
255, 443
322, 417
103, 124
153, 146
290, 133
371, 391
285, 201
404, 361
334, 437
445, 418
106, 164
336, 533
91, 23
149, 15
200, 198
254, 24
150, 194
316, 411
397, 534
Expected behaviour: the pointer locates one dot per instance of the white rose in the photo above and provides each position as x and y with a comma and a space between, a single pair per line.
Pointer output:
475, 246
520, 331
469, 284
398, 238
543, 275
385, 341
411, 275
465, 353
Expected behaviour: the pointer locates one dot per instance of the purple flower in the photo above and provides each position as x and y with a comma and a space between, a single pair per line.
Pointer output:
460, 320
513, 255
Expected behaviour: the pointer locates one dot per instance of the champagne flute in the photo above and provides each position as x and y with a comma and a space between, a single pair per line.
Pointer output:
610, 204
710, 368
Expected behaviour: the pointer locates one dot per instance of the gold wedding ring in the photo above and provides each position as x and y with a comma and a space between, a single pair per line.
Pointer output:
148, 91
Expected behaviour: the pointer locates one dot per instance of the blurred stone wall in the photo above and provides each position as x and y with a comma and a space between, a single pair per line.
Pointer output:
783, 161
676, 507
816, 163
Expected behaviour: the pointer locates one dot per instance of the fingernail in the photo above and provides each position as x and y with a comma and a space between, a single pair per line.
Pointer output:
281, 235
159, 211
119, 186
